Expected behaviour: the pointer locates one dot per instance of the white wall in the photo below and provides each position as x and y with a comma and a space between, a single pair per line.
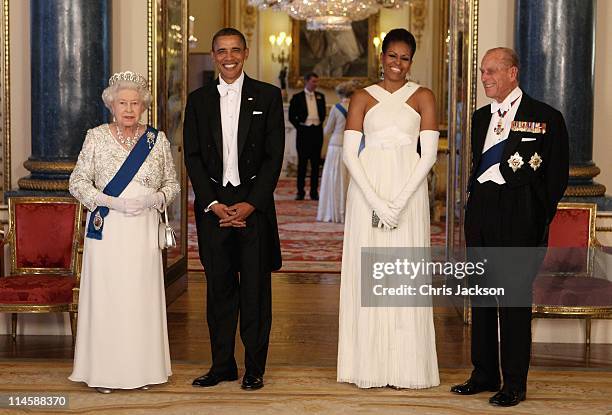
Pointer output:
21, 121
495, 28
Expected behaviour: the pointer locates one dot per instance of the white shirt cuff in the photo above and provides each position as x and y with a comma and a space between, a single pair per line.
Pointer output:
210, 205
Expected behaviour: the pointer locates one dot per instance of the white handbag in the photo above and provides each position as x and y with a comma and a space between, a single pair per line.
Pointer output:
165, 233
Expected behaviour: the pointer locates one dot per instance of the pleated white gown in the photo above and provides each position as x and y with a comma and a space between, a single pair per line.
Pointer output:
122, 336
381, 346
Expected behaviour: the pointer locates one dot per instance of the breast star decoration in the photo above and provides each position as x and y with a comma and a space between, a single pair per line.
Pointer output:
515, 162
535, 161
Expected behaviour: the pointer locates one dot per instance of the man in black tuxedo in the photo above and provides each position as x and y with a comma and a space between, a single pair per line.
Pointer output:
519, 173
234, 143
306, 113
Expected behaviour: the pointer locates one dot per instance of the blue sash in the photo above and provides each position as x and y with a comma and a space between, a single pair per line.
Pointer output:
341, 109
490, 157
344, 112
122, 178
361, 145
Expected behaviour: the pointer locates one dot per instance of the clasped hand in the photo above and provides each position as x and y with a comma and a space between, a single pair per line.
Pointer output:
234, 215
389, 212
131, 206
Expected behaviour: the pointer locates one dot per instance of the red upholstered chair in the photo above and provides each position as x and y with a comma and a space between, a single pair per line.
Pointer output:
564, 287
44, 238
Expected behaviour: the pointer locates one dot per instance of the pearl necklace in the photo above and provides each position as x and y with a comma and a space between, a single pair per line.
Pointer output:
127, 142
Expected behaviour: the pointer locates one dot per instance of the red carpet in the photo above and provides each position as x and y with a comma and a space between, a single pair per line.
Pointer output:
307, 245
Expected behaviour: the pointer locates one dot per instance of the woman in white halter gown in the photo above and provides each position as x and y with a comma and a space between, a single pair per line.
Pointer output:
380, 346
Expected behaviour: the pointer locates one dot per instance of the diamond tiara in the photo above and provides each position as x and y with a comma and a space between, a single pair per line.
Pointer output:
128, 76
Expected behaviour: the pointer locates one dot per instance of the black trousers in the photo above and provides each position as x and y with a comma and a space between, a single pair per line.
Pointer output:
309, 142
498, 216
237, 286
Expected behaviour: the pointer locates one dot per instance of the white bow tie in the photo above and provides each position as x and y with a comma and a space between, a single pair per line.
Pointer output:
225, 88
500, 106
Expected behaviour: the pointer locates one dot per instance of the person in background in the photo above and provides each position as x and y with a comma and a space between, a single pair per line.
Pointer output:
335, 179
306, 113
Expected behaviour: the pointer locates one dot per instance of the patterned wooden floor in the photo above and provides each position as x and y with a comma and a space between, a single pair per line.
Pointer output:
306, 390
301, 367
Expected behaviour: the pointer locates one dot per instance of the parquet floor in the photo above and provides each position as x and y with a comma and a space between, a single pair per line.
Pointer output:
301, 366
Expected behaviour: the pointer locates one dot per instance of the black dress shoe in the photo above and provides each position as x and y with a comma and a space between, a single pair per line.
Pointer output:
212, 379
471, 388
314, 197
508, 398
252, 382
299, 197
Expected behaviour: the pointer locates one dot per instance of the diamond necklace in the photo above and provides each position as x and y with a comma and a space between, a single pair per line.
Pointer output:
127, 142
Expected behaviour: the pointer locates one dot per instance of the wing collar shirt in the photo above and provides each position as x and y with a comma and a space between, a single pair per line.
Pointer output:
492, 173
230, 97
313, 112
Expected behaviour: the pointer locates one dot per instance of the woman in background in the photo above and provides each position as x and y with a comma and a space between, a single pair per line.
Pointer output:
334, 180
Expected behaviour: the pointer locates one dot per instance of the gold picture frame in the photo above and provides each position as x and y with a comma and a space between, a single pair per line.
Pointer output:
368, 70
5, 96
167, 76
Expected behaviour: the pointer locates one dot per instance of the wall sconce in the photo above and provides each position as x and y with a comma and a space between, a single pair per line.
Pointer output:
280, 54
193, 41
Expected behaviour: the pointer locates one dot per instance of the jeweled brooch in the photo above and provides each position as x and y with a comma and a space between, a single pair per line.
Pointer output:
150, 139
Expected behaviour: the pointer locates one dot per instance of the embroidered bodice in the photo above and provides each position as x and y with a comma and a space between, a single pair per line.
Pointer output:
102, 156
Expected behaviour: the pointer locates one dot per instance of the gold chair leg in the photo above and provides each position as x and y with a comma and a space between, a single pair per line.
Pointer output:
587, 332
14, 326
73, 325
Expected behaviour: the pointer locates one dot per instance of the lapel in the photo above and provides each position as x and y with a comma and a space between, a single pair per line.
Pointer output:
215, 118
523, 113
304, 104
246, 111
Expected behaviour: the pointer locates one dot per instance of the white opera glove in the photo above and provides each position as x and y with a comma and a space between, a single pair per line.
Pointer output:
137, 205
115, 203
132, 206
152, 201
352, 138
429, 153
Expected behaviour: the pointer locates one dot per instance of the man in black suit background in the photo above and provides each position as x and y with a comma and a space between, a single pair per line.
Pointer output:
234, 144
306, 113
519, 173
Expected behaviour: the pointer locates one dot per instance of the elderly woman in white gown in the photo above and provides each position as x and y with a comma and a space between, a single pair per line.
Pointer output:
335, 178
124, 176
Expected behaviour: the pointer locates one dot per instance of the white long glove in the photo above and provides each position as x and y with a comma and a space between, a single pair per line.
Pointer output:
152, 201
352, 138
132, 206
429, 152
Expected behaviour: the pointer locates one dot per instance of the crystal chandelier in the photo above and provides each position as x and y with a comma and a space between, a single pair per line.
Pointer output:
328, 14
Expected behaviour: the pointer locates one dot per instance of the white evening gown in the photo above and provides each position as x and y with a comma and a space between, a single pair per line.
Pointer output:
335, 178
381, 346
122, 337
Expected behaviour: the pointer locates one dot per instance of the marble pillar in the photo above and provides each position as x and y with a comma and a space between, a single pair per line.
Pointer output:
70, 60
555, 40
